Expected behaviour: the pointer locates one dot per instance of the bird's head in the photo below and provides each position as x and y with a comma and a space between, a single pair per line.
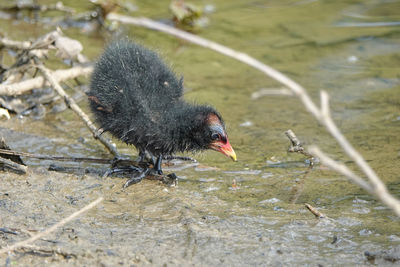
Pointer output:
217, 137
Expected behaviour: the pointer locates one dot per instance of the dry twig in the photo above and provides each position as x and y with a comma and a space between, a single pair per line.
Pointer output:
264, 92
314, 211
43, 250
39, 82
12, 162
321, 114
58, 158
297, 147
51, 229
9, 164
21, 6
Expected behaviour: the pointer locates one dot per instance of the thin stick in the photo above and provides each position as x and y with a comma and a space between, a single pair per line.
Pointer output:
19, 168
380, 190
264, 92
36, 249
58, 158
51, 229
59, 6
296, 146
314, 211
71, 104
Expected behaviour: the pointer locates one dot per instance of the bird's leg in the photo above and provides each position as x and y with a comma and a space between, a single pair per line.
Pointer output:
142, 156
124, 165
138, 173
157, 165
145, 157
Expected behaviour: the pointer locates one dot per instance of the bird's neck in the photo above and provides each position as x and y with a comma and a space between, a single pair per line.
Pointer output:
185, 125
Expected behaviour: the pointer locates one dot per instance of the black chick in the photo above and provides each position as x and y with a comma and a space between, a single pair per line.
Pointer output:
138, 99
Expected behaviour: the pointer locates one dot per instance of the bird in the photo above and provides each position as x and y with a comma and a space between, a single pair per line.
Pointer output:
137, 98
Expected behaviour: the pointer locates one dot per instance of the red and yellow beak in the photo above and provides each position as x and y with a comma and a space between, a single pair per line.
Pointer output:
224, 148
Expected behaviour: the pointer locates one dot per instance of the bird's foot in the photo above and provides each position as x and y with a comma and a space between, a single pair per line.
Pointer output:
122, 169
152, 174
137, 178
138, 173
171, 179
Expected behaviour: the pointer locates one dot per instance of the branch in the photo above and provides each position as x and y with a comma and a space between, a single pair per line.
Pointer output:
18, 168
51, 229
38, 82
47, 157
296, 146
43, 250
59, 6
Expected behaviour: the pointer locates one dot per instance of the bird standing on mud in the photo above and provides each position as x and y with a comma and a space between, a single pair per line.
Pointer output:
138, 99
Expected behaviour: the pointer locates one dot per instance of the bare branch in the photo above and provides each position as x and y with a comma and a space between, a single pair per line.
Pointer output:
264, 91
59, 6
296, 146
47, 157
325, 111
4, 42
38, 82
36, 249
51, 229
18, 168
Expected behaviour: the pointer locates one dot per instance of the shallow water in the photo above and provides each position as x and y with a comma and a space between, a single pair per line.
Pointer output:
207, 219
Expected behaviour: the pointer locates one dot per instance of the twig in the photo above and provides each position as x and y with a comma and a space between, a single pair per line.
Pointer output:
315, 211
11, 44
51, 229
38, 82
264, 92
59, 6
5, 147
71, 104
379, 188
36, 249
296, 146
43, 42
58, 158
18, 168
7, 231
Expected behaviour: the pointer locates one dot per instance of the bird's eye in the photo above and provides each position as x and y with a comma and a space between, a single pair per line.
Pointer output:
215, 136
